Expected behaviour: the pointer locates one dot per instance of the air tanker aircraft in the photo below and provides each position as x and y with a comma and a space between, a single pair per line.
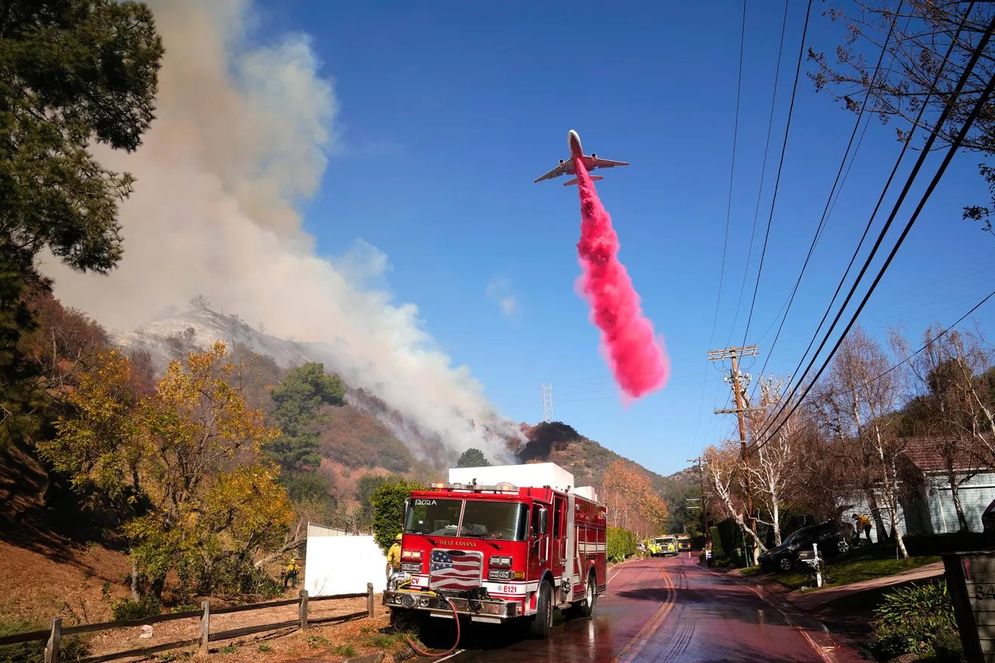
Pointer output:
591, 162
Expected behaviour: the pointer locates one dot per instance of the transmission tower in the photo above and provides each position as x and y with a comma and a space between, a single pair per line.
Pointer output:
546, 396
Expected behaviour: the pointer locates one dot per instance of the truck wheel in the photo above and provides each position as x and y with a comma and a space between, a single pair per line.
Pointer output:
543, 620
586, 607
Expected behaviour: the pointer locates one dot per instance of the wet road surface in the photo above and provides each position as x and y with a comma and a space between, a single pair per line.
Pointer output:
669, 611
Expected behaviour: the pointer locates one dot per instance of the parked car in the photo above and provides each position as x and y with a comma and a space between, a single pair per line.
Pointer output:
829, 535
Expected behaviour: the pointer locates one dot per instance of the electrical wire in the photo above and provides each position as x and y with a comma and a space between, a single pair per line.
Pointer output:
925, 151
955, 144
780, 166
921, 348
763, 173
832, 191
732, 176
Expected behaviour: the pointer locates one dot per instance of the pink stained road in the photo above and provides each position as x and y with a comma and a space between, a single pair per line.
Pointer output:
671, 611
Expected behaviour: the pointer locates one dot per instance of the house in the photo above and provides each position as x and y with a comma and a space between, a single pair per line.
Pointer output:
926, 504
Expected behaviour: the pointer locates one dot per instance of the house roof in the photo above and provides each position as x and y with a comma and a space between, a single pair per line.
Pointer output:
929, 453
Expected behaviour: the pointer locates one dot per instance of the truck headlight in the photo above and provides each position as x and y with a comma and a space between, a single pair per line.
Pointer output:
500, 562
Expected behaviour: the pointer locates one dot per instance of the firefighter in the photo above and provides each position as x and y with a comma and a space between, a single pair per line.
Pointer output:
862, 523
394, 556
291, 572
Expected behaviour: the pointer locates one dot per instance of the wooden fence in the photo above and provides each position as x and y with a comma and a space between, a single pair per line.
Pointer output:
53, 636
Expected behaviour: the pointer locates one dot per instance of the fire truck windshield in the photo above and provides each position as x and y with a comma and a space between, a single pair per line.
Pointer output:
481, 519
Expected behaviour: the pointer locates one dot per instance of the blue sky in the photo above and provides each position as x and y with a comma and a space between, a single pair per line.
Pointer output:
448, 113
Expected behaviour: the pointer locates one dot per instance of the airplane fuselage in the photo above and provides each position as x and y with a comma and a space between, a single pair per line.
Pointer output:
568, 166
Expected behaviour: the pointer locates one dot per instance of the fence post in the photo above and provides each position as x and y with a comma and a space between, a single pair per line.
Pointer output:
369, 598
303, 610
205, 627
52, 646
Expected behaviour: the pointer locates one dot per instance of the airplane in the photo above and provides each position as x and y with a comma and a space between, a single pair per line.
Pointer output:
591, 161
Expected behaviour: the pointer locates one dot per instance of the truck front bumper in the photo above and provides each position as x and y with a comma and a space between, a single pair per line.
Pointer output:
478, 610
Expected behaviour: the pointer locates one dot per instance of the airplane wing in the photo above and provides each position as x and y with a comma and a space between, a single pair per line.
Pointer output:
556, 172
608, 163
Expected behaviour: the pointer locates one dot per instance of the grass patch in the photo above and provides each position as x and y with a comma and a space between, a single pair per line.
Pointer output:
751, 571
386, 641
315, 640
860, 564
347, 651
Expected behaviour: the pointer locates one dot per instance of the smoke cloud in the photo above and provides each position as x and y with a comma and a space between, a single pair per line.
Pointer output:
241, 140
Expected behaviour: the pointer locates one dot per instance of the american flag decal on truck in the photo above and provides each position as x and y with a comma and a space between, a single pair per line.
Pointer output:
454, 570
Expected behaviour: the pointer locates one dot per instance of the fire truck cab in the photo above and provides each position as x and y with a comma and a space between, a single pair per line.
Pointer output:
500, 544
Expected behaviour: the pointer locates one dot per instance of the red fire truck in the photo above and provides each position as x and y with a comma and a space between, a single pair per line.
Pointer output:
500, 552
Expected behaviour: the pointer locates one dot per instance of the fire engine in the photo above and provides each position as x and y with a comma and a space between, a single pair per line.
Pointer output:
500, 544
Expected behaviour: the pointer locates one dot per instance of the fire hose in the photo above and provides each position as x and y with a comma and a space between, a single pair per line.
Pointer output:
422, 652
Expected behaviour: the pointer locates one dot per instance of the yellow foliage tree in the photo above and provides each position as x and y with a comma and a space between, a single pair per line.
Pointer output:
632, 502
193, 451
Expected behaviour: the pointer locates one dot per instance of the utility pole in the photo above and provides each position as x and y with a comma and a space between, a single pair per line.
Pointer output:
737, 382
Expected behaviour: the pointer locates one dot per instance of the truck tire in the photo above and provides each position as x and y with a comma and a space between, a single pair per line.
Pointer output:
543, 620
585, 607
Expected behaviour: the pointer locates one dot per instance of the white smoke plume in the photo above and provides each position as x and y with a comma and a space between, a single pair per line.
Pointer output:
240, 140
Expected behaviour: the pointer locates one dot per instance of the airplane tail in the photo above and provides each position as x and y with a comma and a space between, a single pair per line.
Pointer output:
574, 180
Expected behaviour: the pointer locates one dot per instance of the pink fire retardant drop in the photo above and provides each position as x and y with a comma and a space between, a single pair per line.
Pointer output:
638, 361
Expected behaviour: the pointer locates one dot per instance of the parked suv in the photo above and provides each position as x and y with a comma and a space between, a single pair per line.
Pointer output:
829, 536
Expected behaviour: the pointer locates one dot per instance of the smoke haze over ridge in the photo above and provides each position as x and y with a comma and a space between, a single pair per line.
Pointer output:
240, 141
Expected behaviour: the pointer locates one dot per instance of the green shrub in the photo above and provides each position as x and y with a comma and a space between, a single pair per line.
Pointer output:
388, 510
718, 550
621, 543
916, 619
127, 610
72, 648
24, 651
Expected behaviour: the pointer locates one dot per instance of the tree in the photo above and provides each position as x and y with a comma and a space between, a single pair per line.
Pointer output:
297, 405
96, 446
726, 478
915, 73
189, 459
472, 458
858, 401
772, 463
631, 501
387, 502
72, 73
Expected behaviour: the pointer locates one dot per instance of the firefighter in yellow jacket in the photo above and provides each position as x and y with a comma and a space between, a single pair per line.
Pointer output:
394, 556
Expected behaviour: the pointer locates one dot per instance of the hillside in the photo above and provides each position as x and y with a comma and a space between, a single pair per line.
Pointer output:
560, 443
588, 460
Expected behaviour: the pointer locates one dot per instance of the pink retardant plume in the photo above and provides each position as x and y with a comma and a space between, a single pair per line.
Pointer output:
638, 361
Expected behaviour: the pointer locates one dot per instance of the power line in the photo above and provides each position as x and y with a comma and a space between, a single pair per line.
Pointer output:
763, 171
780, 165
982, 100
836, 183
725, 241
870, 220
922, 347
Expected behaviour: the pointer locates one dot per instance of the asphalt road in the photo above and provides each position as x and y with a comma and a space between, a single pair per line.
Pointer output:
669, 611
